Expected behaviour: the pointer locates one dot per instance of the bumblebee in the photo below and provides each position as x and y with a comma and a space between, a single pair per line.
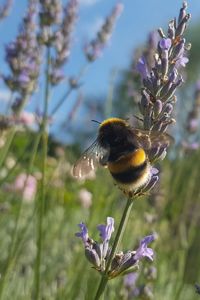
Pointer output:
124, 150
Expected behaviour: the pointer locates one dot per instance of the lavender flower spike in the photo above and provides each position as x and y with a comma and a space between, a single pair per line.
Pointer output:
94, 48
5, 9
143, 251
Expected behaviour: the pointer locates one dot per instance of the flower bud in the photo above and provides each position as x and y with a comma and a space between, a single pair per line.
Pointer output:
157, 108
145, 99
171, 30
168, 108
92, 256
182, 25
154, 179
182, 13
178, 50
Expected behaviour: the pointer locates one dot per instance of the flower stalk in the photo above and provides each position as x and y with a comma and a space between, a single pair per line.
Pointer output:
41, 199
116, 243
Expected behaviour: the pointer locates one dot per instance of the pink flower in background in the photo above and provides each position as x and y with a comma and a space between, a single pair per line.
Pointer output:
85, 198
27, 118
25, 185
190, 146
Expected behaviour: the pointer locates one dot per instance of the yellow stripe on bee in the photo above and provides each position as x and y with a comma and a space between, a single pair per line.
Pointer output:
113, 120
134, 159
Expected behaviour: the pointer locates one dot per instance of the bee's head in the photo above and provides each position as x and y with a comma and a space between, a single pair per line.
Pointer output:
113, 132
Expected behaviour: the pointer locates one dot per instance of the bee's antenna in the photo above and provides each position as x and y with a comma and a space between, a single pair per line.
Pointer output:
96, 121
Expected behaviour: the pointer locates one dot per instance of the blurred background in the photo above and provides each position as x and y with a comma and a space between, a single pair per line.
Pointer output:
106, 85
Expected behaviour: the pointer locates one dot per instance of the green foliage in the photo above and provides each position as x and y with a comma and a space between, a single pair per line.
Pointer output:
193, 66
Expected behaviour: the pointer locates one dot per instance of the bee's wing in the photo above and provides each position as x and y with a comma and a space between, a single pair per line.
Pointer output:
89, 160
150, 140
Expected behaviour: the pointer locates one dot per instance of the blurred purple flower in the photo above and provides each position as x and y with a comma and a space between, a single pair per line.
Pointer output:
182, 61
198, 85
5, 9
130, 284
190, 146
50, 12
130, 279
153, 39
25, 185
94, 48
23, 79
23, 57
193, 125
56, 76
143, 251
142, 67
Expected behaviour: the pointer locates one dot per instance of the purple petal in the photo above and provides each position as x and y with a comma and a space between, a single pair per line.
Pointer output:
130, 279
106, 230
193, 124
23, 78
165, 44
11, 50
182, 61
154, 171
153, 39
83, 234
143, 251
142, 67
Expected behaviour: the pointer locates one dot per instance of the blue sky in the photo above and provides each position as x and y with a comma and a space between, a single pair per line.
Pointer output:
137, 20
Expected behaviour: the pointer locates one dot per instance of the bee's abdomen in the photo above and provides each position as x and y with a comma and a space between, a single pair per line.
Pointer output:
134, 159
131, 174
132, 170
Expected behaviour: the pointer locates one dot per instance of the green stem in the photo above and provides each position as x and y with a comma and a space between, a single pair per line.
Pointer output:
9, 103
117, 240
41, 200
